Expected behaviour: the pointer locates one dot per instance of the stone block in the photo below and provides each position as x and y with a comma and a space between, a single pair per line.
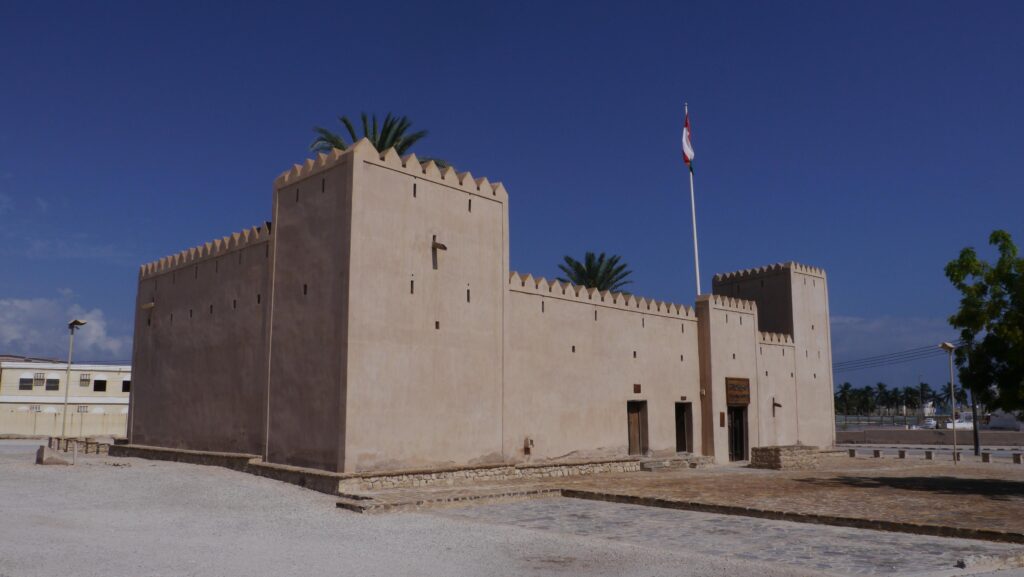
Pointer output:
1017, 458
902, 454
852, 452
46, 456
877, 453
929, 455
986, 457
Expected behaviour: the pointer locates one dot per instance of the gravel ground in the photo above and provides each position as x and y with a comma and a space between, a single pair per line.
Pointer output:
111, 517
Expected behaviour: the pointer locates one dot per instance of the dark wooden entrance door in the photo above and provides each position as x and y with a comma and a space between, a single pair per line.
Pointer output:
737, 433
684, 428
637, 414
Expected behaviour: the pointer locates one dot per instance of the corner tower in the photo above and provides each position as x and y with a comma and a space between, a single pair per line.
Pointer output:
792, 299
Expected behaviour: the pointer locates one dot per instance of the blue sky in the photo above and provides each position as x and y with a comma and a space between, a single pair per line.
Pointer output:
872, 139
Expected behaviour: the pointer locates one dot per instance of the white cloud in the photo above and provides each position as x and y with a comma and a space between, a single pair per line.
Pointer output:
38, 327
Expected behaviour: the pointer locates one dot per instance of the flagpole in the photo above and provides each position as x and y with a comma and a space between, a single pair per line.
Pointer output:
693, 214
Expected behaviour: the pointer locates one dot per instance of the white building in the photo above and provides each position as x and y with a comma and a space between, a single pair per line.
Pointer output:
32, 398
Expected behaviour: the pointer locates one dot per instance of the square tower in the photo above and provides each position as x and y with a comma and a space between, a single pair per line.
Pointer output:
792, 299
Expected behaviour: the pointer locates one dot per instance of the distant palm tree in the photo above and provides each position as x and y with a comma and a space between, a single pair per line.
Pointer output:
392, 133
882, 396
843, 398
600, 272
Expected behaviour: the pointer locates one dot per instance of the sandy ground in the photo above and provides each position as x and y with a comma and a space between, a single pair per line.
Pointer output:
129, 517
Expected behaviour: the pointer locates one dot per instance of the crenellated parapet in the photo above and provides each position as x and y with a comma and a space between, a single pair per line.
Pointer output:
554, 288
727, 302
426, 170
231, 243
768, 270
774, 338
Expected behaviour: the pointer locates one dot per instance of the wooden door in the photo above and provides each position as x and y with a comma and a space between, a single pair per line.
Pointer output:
684, 430
637, 419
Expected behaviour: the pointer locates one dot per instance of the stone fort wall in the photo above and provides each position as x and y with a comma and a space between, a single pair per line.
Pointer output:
199, 349
376, 327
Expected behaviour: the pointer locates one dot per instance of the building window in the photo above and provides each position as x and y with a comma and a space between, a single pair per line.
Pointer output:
99, 386
126, 386
83, 408
37, 379
24, 384
84, 379
52, 384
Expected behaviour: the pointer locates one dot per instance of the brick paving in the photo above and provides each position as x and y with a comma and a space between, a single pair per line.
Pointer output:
968, 497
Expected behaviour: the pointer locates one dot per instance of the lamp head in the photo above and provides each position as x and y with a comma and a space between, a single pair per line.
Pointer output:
948, 347
75, 324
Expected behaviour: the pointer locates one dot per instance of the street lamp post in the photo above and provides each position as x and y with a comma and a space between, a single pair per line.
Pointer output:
72, 326
949, 348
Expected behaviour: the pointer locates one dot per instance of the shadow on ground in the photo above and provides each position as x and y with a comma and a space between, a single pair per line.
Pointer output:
998, 489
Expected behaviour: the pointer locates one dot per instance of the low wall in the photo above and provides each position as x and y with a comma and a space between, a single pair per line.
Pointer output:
28, 424
334, 483
928, 437
451, 476
784, 457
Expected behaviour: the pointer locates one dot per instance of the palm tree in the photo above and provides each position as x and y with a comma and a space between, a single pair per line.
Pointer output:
392, 133
600, 272
925, 393
843, 399
881, 396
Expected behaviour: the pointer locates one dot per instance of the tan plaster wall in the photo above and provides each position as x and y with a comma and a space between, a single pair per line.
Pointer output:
728, 347
776, 366
199, 376
574, 403
424, 365
811, 333
308, 344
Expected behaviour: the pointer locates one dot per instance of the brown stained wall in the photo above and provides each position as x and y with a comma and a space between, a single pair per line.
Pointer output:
771, 288
776, 375
574, 403
728, 348
425, 360
312, 226
198, 380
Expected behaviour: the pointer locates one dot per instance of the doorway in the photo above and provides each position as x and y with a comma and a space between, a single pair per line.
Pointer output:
637, 415
684, 427
737, 433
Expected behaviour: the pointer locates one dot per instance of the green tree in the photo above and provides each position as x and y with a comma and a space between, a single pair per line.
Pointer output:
882, 398
605, 273
844, 396
393, 132
991, 323
925, 393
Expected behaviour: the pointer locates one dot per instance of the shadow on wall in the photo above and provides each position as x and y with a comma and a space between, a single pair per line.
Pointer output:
997, 489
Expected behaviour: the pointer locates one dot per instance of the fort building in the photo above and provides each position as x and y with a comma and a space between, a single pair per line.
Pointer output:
374, 324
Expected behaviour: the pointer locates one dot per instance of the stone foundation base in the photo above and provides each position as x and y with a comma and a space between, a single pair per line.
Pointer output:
784, 457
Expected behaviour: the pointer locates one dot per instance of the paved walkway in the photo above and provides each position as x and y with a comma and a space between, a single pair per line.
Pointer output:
833, 550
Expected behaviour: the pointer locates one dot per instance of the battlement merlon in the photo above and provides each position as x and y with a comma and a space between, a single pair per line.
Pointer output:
218, 247
554, 288
730, 303
775, 338
768, 270
429, 170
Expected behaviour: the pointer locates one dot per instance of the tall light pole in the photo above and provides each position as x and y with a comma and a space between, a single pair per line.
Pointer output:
72, 326
949, 348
